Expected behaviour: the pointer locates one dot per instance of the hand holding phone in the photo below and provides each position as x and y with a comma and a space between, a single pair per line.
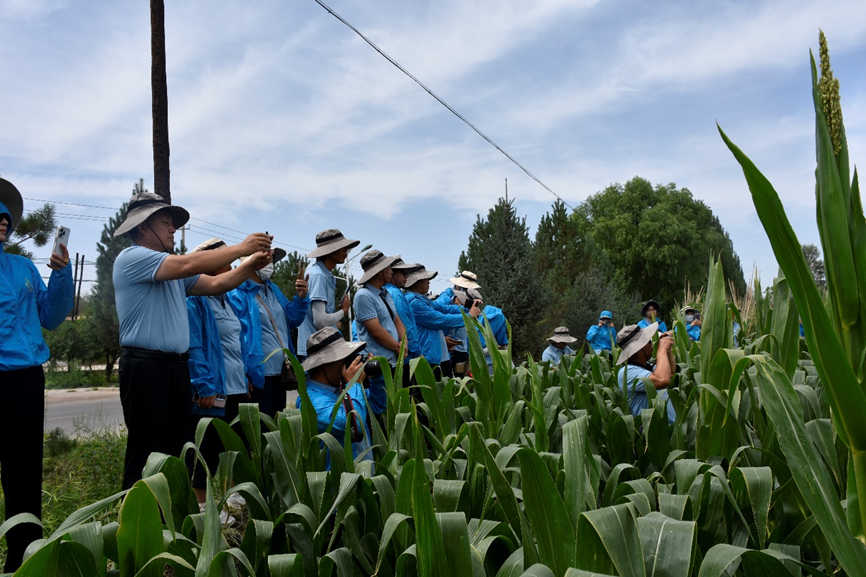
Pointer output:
59, 254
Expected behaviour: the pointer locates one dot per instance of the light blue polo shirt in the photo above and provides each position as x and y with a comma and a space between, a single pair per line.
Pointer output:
629, 379
270, 342
554, 355
323, 284
152, 313
230, 340
370, 304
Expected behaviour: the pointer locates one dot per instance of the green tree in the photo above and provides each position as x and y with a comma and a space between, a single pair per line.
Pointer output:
812, 255
287, 270
37, 225
502, 255
103, 308
658, 239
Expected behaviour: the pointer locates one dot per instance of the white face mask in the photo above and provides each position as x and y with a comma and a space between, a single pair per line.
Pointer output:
690, 318
266, 272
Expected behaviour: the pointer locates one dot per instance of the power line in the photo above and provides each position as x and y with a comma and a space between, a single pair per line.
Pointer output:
442, 102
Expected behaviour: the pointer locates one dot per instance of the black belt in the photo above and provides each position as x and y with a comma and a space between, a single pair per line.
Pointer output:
134, 353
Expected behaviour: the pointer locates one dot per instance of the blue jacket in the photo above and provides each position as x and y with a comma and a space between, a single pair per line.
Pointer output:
447, 298
498, 325
599, 338
323, 398
643, 323
206, 365
404, 311
431, 318
243, 300
694, 333
26, 307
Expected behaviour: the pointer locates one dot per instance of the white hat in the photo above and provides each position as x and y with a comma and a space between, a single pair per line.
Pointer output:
632, 338
467, 280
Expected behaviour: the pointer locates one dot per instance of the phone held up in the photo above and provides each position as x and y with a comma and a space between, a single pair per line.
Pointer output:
62, 237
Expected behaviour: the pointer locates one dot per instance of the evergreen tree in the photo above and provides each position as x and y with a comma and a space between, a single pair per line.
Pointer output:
37, 225
816, 264
103, 308
500, 252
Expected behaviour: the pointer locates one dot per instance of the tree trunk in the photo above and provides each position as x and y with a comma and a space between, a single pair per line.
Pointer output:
159, 91
109, 367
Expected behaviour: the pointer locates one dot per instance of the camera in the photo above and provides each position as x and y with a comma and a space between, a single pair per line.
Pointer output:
372, 368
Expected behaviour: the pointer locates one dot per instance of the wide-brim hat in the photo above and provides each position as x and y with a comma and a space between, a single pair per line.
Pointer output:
562, 335
417, 272
143, 205
327, 346
646, 306
687, 309
373, 262
210, 244
10, 197
279, 254
633, 338
466, 279
331, 240
400, 264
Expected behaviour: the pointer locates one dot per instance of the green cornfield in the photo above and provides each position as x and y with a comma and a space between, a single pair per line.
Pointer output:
543, 471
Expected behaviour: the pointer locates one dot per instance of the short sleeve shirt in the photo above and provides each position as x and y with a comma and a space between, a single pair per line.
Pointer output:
270, 342
370, 303
230, 340
152, 313
322, 285
629, 379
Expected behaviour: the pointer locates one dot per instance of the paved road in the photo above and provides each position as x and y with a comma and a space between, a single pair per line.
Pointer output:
74, 409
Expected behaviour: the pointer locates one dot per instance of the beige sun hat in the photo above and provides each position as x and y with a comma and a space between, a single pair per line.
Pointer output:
327, 346
373, 262
632, 338
143, 205
466, 279
11, 198
417, 272
210, 244
562, 335
331, 240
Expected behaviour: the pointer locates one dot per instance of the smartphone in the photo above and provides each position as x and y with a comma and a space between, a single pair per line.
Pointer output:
62, 237
219, 402
697, 316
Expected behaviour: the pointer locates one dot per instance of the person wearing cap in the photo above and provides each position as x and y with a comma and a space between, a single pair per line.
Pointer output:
28, 306
378, 323
650, 312
494, 317
151, 284
327, 376
404, 311
693, 323
332, 248
268, 319
219, 362
637, 350
457, 339
558, 346
431, 317
602, 337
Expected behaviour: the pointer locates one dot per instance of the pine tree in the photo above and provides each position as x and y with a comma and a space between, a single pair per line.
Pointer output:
103, 306
500, 252
37, 226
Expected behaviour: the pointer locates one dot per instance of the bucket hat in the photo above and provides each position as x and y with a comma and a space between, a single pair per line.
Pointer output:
687, 309
417, 272
331, 240
467, 280
647, 304
11, 198
143, 205
373, 262
400, 264
562, 335
210, 244
279, 254
633, 338
327, 346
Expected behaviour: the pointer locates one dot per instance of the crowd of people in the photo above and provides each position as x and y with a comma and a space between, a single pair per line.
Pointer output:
200, 337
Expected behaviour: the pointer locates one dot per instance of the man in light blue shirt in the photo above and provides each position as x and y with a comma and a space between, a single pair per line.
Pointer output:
151, 285
558, 346
378, 323
332, 248
637, 350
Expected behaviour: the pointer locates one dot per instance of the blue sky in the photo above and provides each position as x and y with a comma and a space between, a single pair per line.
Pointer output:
282, 119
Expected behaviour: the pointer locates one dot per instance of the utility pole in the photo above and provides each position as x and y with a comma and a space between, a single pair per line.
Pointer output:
159, 96
74, 280
80, 282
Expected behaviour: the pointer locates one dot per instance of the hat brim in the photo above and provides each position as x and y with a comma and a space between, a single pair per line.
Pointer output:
465, 283
10, 196
416, 277
637, 343
565, 340
179, 216
338, 351
647, 304
279, 254
369, 274
332, 247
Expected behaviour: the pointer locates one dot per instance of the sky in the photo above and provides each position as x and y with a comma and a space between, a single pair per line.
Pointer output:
282, 119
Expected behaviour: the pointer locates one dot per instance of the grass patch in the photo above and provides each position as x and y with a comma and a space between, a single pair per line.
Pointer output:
76, 378
76, 472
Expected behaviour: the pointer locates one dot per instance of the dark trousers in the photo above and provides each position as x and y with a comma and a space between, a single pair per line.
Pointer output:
157, 403
459, 360
21, 421
211, 445
272, 398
